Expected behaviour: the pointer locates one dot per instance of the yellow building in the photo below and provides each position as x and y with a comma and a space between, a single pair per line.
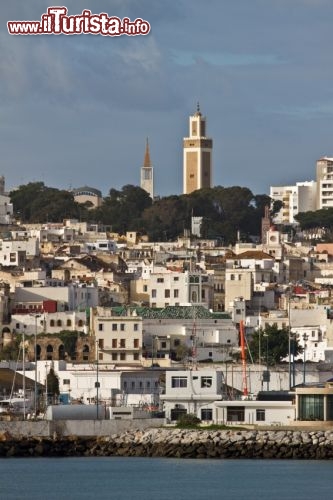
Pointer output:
197, 155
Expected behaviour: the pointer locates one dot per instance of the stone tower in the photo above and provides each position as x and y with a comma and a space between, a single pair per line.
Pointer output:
147, 173
197, 155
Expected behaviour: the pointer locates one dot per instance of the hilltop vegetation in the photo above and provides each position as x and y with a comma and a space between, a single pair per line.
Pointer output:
224, 210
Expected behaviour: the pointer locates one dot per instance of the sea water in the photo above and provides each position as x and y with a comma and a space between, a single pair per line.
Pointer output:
164, 479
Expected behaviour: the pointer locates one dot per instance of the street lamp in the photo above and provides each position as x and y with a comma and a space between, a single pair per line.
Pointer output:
97, 381
24, 391
35, 316
267, 377
153, 339
305, 338
46, 401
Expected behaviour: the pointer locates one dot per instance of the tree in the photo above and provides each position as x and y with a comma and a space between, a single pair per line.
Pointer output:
11, 351
274, 345
52, 384
36, 202
123, 209
182, 352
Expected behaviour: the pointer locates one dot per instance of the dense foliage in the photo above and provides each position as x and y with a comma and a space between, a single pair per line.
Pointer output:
225, 211
317, 219
273, 345
188, 420
35, 202
52, 383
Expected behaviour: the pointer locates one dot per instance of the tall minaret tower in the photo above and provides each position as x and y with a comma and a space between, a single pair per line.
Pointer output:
197, 157
147, 173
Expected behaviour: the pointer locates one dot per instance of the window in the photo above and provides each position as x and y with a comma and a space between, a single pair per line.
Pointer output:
52, 322
176, 278
160, 280
175, 294
100, 327
206, 381
235, 413
122, 356
122, 327
66, 381
311, 407
122, 343
260, 415
178, 381
145, 288
101, 343
167, 294
136, 327
114, 327
69, 322
133, 385
206, 414
85, 352
153, 294
136, 343
49, 352
148, 384
163, 345
114, 356
136, 356
114, 343
17, 326
100, 356
59, 322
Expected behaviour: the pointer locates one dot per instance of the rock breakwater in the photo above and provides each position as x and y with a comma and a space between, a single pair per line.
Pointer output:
178, 443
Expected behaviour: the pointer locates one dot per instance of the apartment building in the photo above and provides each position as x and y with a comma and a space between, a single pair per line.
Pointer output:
295, 199
324, 172
173, 288
119, 338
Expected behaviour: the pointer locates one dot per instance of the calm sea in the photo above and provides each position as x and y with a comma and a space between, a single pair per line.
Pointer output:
164, 479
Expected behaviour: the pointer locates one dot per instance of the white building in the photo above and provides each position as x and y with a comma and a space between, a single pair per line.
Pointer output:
69, 298
191, 391
45, 322
254, 412
116, 387
324, 170
175, 289
295, 199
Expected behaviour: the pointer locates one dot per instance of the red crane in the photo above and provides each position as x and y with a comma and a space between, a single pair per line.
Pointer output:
243, 357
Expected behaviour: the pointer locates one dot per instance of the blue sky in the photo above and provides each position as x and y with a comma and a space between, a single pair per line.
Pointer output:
76, 110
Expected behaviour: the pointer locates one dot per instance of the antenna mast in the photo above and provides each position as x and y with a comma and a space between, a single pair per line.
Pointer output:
243, 357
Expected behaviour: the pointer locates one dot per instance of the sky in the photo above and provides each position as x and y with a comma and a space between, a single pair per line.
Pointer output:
76, 110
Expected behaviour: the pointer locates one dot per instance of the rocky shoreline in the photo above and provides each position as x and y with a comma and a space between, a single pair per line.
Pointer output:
177, 443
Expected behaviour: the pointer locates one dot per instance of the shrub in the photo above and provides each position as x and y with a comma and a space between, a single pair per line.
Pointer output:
188, 420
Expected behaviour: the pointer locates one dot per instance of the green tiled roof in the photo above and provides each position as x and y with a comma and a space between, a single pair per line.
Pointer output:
170, 312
